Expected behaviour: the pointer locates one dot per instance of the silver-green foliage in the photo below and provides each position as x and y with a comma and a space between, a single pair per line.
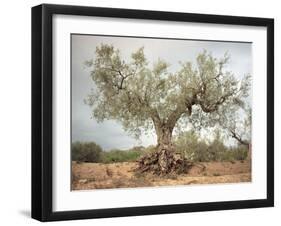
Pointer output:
142, 96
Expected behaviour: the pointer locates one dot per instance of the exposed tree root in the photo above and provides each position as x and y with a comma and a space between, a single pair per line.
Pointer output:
162, 162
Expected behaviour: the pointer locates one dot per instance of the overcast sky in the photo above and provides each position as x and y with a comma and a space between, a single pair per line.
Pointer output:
110, 134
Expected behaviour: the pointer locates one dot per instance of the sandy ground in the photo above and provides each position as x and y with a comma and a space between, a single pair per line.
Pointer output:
122, 175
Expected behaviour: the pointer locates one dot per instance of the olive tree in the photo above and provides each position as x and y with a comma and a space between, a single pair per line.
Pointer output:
143, 95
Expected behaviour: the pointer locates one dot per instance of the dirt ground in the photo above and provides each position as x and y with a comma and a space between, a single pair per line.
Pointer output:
122, 175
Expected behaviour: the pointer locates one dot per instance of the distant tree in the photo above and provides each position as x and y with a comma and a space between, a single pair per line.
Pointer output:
143, 97
86, 152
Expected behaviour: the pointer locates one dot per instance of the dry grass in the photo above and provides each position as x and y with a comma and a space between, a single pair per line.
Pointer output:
121, 175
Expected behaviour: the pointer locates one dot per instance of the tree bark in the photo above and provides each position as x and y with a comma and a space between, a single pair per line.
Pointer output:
164, 147
164, 137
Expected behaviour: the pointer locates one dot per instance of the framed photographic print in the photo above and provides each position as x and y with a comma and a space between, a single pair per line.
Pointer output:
145, 112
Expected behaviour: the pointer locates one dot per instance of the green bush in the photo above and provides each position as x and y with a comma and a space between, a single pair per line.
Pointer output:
86, 152
197, 150
186, 143
201, 152
194, 150
240, 153
149, 149
217, 149
137, 148
120, 156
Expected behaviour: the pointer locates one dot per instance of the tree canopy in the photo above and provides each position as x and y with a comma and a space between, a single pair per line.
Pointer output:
144, 95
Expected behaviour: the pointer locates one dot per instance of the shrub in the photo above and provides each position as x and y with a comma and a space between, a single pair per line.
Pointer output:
202, 153
187, 143
149, 149
137, 148
240, 153
86, 152
194, 150
120, 156
197, 150
217, 149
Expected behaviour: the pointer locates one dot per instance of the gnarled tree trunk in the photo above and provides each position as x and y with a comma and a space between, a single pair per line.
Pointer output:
164, 159
164, 146
164, 138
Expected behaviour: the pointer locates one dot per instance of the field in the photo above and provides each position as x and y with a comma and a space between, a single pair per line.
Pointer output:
87, 176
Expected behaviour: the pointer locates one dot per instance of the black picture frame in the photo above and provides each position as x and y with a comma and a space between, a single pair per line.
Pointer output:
42, 111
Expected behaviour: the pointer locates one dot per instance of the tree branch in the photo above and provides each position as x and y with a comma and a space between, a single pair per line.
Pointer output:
238, 138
